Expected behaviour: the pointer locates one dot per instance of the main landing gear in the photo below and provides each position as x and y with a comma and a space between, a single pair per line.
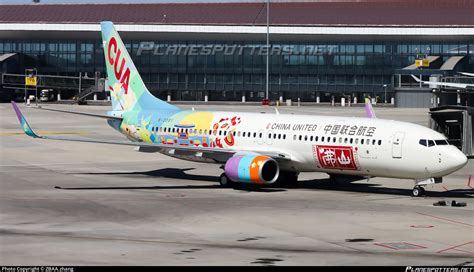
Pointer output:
225, 181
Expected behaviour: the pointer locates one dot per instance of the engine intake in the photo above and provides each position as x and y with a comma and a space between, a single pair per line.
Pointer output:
252, 169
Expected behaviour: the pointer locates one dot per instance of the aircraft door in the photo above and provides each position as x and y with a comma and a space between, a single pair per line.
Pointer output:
397, 145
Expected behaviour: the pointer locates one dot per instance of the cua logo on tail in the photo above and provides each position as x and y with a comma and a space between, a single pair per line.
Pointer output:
113, 53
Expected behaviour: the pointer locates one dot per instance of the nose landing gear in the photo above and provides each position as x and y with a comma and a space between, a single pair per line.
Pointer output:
418, 191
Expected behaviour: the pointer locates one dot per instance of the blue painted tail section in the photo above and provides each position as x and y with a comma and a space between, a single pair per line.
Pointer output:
127, 89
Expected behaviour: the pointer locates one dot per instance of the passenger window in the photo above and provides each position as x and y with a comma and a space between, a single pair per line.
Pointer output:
352, 140
284, 136
373, 142
340, 139
255, 134
243, 134
260, 135
431, 143
345, 140
322, 139
380, 142
316, 138
220, 132
294, 137
279, 136
306, 137
334, 140
300, 137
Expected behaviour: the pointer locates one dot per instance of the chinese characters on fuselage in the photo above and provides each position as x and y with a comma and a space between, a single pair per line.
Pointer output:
349, 130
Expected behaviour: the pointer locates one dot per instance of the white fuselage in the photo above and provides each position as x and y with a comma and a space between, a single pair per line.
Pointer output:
336, 145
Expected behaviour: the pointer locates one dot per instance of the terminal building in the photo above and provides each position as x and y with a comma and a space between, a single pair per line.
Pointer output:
320, 50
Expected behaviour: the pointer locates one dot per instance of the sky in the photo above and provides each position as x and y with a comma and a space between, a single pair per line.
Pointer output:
116, 1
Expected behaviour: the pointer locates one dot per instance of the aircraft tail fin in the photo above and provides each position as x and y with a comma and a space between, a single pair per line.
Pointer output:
127, 89
369, 111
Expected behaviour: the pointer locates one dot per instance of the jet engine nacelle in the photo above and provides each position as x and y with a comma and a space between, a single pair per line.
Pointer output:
252, 169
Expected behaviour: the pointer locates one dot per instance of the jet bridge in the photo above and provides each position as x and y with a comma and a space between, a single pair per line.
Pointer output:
457, 124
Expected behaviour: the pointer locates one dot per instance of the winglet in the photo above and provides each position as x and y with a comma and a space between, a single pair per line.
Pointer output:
368, 109
24, 124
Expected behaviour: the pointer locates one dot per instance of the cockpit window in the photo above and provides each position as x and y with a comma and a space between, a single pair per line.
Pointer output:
423, 142
431, 143
441, 142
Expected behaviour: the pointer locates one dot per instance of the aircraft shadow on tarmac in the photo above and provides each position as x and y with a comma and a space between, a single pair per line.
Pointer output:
174, 173
373, 188
344, 184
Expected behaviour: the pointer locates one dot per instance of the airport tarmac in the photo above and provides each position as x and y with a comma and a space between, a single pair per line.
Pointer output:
68, 203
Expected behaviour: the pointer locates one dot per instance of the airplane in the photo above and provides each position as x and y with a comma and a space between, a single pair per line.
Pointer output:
467, 74
445, 84
262, 148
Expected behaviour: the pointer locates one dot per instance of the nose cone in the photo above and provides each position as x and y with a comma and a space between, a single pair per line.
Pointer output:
455, 159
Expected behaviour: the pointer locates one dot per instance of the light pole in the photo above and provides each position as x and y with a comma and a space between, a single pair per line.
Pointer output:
268, 48
385, 95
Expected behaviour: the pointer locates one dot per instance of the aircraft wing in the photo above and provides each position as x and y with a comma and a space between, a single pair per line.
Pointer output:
446, 84
82, 113
216, 154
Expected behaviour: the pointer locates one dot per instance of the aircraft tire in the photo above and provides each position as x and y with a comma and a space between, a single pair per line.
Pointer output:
224, 181
418, 191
